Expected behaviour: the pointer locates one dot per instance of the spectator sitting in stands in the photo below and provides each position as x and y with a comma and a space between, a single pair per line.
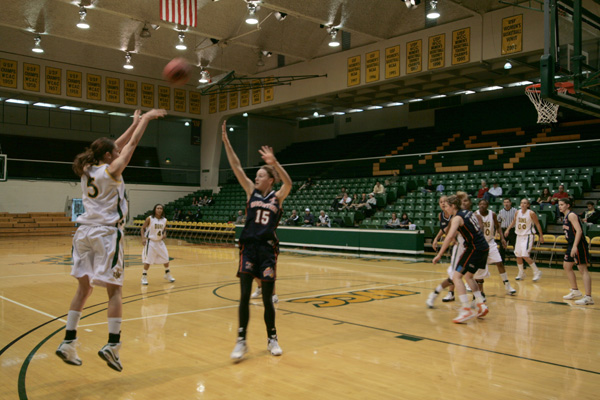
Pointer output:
495, 191
404, 221
336, 202
391, 181
482, 190
344, 203
360, 203
430, 187
293, 219
210, 202
177, 215
306, 184
371, 205
354, 204
545, 198
241, 218
324, 220
309, 219
561, 194
378, 188
393, 223
202, 202
440, 188
189, 217
591, 215
194, 201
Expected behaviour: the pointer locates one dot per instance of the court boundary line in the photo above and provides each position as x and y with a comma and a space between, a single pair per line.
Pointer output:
55, 318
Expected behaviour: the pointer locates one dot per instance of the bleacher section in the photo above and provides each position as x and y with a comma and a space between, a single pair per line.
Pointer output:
35, 224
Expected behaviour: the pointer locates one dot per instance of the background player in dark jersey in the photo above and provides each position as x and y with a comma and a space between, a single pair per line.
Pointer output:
473, 258
577, 253
259, 246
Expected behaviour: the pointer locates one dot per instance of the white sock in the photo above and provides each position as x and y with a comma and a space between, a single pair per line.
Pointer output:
73, 320
521, 270
464, 300
114, 325
534, 268
438, 289
478, 296
504, 277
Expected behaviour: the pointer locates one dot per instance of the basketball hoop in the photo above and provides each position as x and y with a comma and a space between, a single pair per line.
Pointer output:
547, 110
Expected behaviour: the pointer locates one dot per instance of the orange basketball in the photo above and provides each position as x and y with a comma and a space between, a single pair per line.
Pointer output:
177, 72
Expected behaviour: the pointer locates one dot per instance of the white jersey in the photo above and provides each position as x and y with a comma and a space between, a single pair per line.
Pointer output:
103, 198
523, 224
489, 230
156, 229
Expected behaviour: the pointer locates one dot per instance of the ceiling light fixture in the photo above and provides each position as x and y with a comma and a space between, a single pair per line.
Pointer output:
280, 16
204, 76
231, 129
127, 64
181, 45
70, 108
412, 4
334, 42
145, 33
508, 65
82, 14
245, 115
433, 12
186, 123
47, 105
267, 53
251, 18
16, 101
37, 47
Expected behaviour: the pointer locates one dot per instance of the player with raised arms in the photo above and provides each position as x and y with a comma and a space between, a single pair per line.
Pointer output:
259, 245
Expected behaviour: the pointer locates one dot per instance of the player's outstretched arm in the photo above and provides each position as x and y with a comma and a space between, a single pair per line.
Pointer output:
235, 164
268, 156
124, 138
115, 169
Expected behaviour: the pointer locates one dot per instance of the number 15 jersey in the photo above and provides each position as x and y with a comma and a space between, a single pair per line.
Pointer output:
262, 218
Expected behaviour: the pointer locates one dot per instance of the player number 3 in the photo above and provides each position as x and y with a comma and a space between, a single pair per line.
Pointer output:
262, 217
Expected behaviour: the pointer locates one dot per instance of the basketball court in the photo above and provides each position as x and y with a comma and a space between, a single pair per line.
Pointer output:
349, 328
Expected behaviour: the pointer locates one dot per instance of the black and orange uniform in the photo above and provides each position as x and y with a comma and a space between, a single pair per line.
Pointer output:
583, 254
259, 245
476, 247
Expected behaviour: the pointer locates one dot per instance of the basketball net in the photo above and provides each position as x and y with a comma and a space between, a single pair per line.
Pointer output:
547, 111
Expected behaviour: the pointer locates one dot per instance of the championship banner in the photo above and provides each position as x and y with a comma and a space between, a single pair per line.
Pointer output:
31, 77
414, 56
233, 100
164, 97
147, 95
195, 103
130, 95
113, 90
256, 92
244, 98
461, 46
392, 62
512, 34
354, 71
74, 84
212, 103
179, 100
94, 87
437, 50
222, 102
181, 12
53, 80
8, 73
372, 66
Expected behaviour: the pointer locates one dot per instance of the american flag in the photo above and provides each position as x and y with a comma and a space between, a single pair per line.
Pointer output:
182, 12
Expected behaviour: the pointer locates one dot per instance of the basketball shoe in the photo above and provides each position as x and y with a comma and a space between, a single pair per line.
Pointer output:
587, 300
169, 278
273, 347
239, 350
465, 314
573, 294
144, 279
67, 351
110, 354
256, 293
431, 299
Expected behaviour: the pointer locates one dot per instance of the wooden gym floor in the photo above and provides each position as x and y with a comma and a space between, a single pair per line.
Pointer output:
349, 328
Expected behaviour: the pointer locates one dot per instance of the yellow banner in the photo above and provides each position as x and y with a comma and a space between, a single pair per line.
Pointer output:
256, 92
437, 51
94, 87
113, 89
53, 79
31, 77
147, 95
74, 84
372, 66
8, 73
130, 92
179, 95
164, 97
195, 103
461, 46
512, 34
414, 56
222, 102
244, 98
354, 71
233, 100
269, 90
392, 62
212, 103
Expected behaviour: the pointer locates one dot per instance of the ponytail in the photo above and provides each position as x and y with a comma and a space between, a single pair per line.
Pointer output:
92, 155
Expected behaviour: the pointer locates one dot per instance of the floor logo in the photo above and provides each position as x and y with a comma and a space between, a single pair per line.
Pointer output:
362, 296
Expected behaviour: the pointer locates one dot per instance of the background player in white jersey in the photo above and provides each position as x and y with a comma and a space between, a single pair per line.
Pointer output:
97, 247
523, 222
490, 227
259, 246
153, 238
